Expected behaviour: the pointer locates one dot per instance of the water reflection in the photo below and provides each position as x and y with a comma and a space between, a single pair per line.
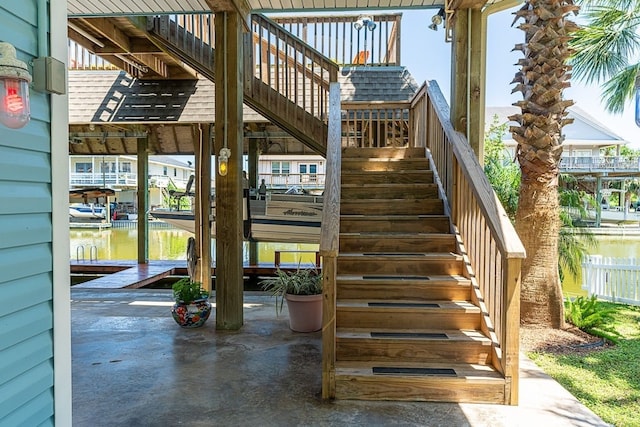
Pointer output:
169, 244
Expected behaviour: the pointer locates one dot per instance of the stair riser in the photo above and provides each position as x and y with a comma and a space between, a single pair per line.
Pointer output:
373, 265
393, 153
384, 165
389, 318
388, 243
391, 191
418, 225
427, 389
425, 351
401, 291
392, 207
424, 177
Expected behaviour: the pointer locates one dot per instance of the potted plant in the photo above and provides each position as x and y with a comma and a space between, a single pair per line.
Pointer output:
302, 289
192, 307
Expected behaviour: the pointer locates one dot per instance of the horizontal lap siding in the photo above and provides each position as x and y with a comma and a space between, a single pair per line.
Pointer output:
26, 285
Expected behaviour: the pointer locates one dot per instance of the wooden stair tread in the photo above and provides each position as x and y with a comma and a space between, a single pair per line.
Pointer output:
426, 256
396, 235
409, 305
451, 279
413, 334
468, 371
400, 217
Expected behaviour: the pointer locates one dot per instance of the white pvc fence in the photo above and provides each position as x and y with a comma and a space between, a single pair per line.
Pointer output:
612, 279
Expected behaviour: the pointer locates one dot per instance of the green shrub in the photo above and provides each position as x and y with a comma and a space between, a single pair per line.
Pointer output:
588, 315
185, 291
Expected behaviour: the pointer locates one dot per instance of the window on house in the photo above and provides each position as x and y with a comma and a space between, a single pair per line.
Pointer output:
280, 168
308, 172
165, 172
83, 167
125, 167
175, 172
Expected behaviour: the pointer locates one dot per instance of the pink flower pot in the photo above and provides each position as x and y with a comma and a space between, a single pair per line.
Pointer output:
305, 312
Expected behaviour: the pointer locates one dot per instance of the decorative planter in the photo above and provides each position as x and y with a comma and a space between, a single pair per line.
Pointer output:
191, 315
305, 312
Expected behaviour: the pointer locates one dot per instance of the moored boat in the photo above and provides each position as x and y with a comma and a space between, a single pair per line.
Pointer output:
287, 218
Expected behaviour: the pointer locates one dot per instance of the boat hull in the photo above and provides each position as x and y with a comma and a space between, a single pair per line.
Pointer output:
295, 221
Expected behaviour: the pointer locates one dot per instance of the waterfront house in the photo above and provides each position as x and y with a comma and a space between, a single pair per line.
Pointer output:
35, 350
591, 153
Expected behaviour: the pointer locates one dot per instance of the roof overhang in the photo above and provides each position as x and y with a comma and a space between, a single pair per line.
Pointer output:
83, 8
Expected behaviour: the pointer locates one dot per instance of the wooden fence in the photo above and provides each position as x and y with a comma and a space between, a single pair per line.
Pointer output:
612, 279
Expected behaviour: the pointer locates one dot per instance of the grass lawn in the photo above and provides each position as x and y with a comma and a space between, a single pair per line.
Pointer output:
607, 381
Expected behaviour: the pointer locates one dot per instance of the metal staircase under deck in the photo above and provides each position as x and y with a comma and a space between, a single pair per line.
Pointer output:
406, 326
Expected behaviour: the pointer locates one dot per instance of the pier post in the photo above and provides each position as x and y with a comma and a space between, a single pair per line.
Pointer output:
229, 135
143, 201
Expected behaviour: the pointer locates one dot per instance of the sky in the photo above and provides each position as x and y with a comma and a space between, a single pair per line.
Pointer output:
427, 57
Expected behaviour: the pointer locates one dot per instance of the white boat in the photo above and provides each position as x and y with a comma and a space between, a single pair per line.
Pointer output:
287, 218
82, 210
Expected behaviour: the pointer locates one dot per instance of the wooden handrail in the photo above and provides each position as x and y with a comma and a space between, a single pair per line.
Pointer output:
488, 241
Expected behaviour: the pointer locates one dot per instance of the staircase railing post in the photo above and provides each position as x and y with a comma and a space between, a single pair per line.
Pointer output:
511, 329
329, 243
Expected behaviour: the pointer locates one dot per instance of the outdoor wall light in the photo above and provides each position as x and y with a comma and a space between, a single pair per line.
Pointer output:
15, 109
364, 21
437, 19
223, 161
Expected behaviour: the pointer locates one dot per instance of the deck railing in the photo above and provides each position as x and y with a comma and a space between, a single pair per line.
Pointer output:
346, 42
597, 163
296, 71
488, 240
375, 124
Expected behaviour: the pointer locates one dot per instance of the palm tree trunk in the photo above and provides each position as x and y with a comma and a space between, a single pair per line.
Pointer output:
538, 225
542, 79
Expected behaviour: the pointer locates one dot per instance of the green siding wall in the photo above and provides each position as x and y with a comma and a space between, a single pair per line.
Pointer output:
26, 285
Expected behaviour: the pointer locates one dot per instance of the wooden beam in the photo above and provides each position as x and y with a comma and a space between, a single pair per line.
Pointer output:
229, 202
137, 45
475, 113
459, 71
143, 201
203, 204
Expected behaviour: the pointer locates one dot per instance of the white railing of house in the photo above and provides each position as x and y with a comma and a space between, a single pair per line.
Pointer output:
304, 180
612, 279
568, 163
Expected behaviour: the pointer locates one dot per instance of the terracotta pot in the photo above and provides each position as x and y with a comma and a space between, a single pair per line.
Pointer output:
305, 312
191, 315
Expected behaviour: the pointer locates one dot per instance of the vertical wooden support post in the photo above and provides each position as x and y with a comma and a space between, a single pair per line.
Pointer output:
475, 114
143, 201
460, 71
228, 133
329, 243
203, 206
511, 328
254, 178
598, 201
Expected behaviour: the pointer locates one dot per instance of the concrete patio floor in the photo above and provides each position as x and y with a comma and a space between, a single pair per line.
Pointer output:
134, 366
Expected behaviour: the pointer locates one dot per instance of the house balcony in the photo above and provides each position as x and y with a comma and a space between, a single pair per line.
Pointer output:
604, 165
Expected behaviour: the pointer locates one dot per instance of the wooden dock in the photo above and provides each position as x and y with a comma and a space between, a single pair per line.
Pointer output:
131, 275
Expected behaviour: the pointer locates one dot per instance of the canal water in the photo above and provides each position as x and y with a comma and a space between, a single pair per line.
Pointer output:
171, 244
167, 244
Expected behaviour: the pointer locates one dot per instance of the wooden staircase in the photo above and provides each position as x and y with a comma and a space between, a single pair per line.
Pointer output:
285, 80
406, 328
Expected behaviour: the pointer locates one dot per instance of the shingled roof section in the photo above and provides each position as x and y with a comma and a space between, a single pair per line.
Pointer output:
389, 84
108, 96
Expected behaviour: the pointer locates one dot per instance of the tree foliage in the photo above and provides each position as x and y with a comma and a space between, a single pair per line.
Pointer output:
607, 48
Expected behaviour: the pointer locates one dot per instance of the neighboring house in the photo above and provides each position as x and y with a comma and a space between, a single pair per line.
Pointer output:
35, 333
583, 154
120, 173
584, 138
